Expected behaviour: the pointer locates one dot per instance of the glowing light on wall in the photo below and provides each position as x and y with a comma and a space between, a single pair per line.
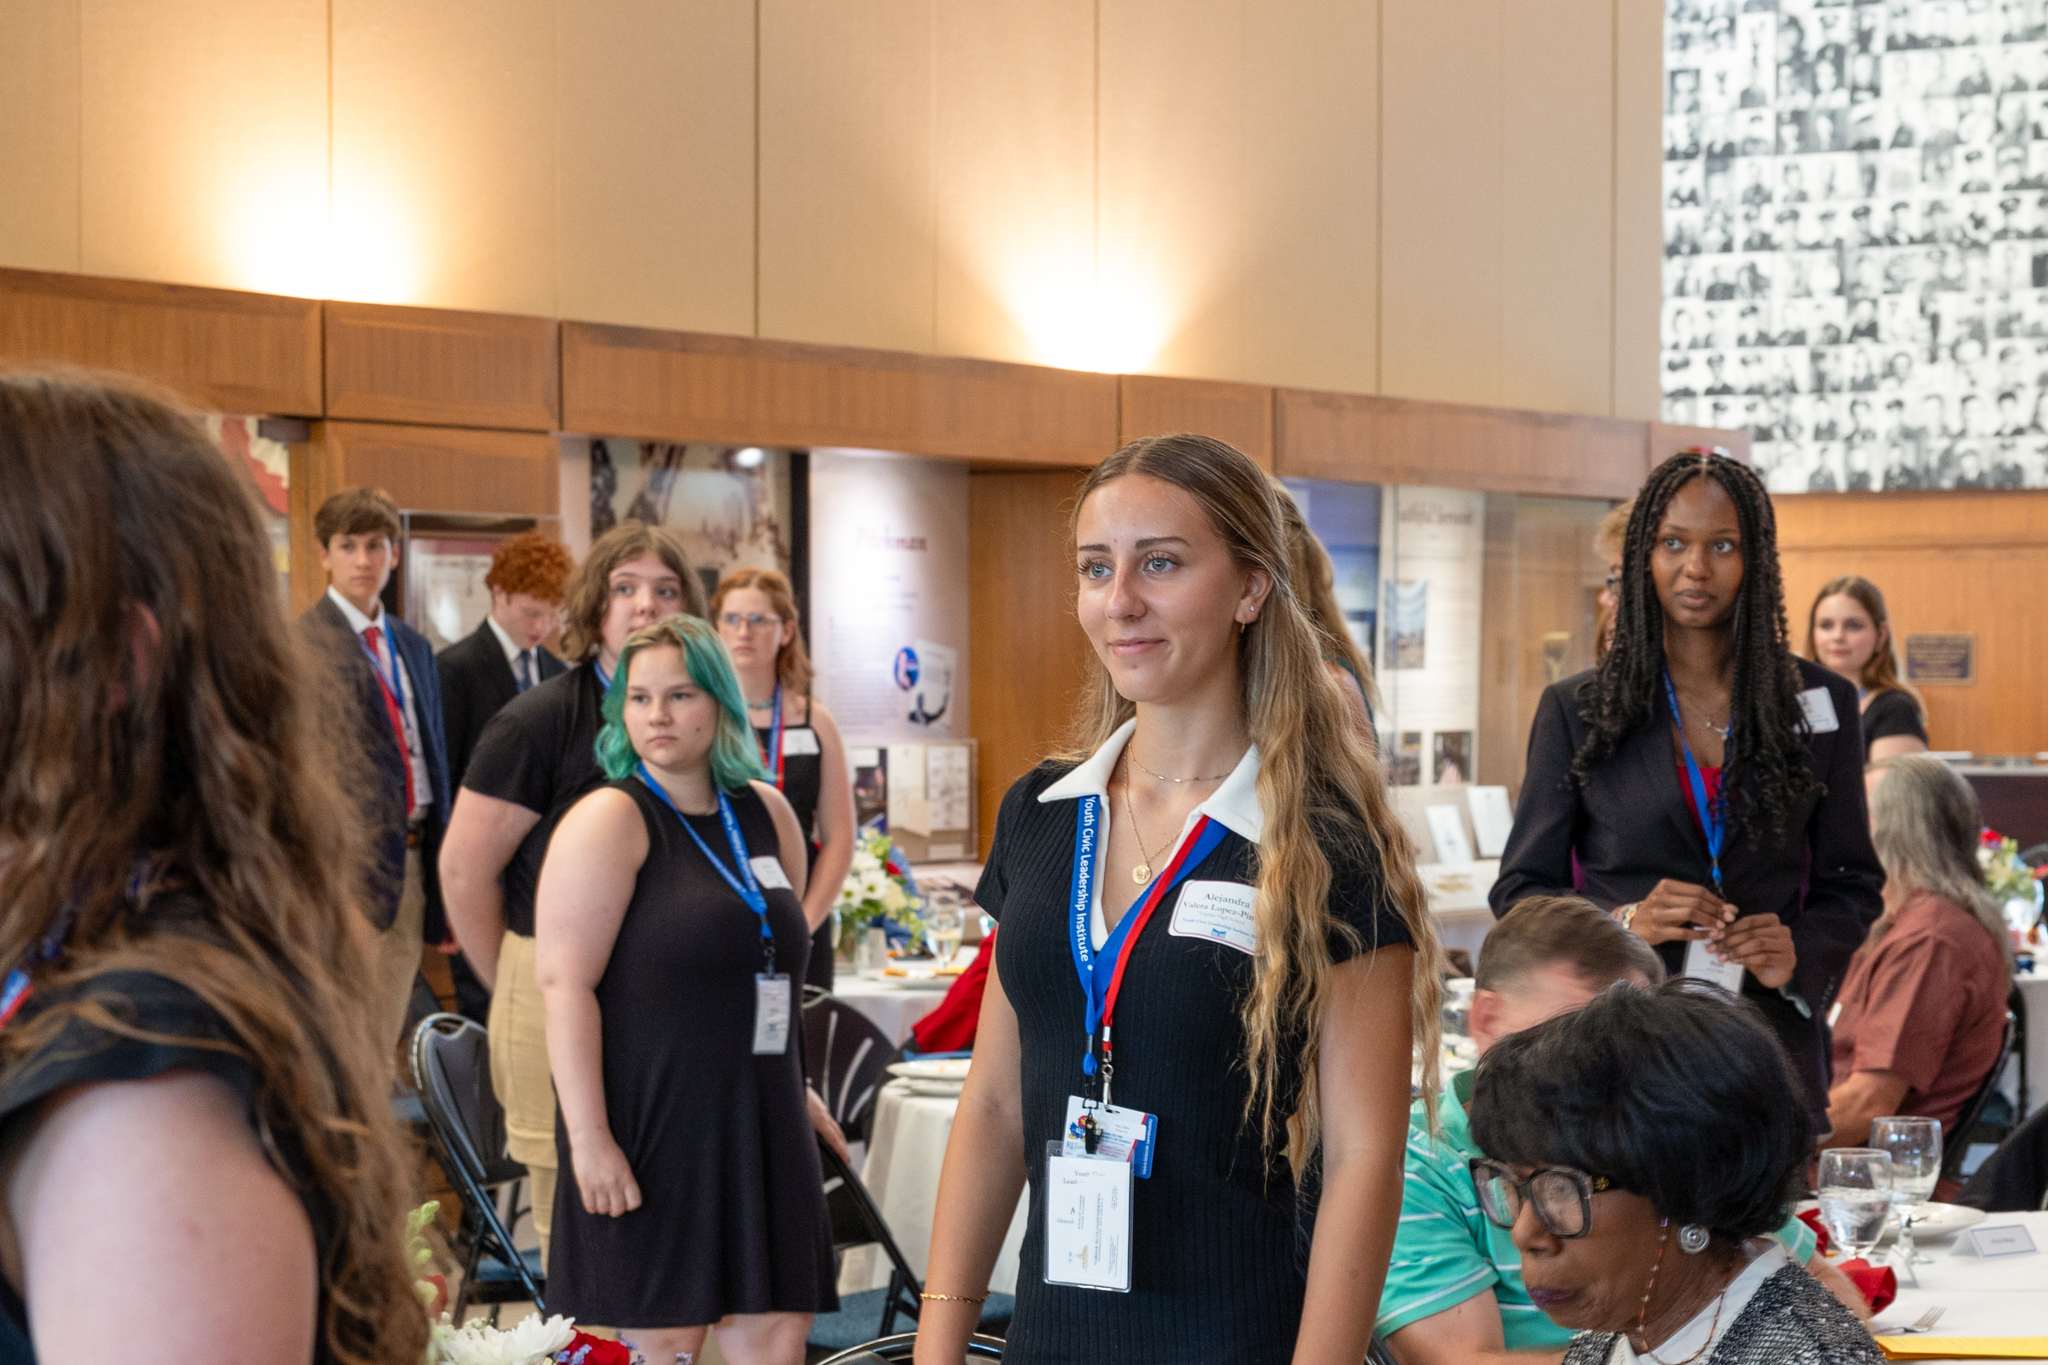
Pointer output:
1116, 325
375, 256
277, 237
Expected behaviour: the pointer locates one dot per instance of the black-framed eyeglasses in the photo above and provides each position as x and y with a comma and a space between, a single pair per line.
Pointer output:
1563, 1196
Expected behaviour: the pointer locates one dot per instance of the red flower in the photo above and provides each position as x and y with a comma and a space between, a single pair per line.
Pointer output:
1990, 838
584, 1349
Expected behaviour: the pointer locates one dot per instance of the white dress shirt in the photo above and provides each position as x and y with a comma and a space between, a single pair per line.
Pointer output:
422, 788
513, 651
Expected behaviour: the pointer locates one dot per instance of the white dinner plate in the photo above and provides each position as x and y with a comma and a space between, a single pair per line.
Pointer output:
1939, 1222
934, 1089
951, 1070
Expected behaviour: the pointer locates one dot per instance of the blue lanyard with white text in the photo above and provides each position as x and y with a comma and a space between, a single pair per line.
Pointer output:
1101, 973
1713, 815
749, 889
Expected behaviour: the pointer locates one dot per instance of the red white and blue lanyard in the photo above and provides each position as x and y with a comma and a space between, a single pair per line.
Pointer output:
748, 889
1713, 814
1102, 972
773, 754
396, 683
19, 985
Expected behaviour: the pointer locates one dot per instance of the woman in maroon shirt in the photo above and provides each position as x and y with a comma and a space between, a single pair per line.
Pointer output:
1922, 1014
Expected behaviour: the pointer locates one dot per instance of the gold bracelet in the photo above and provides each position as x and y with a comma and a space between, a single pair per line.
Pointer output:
953, 1298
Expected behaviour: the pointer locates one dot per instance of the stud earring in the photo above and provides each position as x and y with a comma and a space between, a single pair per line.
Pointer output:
1692, 1239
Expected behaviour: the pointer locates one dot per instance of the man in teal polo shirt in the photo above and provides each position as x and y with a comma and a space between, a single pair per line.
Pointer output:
1454, 1291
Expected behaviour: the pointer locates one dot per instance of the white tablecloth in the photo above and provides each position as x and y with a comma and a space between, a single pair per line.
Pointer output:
902, 1173
893, 1003
2034, 990
2004, 1297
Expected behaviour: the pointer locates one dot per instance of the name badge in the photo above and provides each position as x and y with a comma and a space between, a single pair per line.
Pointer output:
772, 998
1820, 711
768, 872
1087, 1221
799, 742
1218, 911
1121, 1134
1701, 965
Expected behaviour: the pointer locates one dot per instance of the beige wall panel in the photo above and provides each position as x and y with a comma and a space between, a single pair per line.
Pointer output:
203, 142
1638, 204
39, 111
444, 153
1441, 218
846, 172
657, 147
1557, 201
1311, 313
1172, 172
1015, 181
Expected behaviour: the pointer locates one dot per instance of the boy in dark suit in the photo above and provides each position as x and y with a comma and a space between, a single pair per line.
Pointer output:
496, 662
394, 692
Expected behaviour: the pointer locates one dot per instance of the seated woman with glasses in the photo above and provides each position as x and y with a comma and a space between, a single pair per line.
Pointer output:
1641, 1211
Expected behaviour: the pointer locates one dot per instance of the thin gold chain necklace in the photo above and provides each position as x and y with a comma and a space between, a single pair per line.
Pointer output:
1142, 873
1162, 777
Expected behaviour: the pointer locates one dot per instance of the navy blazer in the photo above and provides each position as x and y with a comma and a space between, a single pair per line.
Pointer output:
1630, 824
476, 680
382, 788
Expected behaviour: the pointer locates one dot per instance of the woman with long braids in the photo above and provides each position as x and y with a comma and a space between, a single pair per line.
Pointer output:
197, 1158
1709, 782
1214, 968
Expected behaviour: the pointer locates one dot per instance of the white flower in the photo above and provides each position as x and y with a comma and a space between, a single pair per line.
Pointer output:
529, 1343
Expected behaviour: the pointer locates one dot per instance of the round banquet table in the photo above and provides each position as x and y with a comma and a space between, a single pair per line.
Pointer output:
904, 1155
2002, 1297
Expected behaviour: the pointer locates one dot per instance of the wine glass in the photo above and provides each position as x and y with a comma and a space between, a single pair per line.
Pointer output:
943, 925
1914, 1145
1855, 1195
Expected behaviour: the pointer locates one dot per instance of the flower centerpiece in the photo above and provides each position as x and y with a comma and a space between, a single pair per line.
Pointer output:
878, 889
533, 1340
2011, 882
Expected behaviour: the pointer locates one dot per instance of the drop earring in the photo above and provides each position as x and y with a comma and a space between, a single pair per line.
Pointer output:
1692, 1239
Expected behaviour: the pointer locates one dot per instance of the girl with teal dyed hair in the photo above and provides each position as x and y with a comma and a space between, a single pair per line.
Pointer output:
670, 934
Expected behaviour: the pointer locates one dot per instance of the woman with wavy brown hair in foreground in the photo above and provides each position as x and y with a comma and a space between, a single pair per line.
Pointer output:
196, 1160
1178, 1085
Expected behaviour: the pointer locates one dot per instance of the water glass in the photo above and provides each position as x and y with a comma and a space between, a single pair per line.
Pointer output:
943, 926
1855, 1196
1914, 1145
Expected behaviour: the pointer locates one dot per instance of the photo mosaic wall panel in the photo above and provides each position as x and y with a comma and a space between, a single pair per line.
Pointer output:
1856, 238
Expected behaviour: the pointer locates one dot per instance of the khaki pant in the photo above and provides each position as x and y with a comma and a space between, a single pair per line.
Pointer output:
398, 955
519, 1073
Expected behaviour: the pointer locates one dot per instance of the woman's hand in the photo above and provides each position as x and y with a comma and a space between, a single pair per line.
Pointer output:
603, 1176
1680, 911
826, 1126
1761, 944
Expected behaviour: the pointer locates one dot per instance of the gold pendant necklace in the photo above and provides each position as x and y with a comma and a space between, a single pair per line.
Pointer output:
1142, 873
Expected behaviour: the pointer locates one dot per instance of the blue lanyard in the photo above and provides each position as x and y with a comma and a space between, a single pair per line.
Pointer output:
19, 985
1101, 973
775, 740
749, 890
604, 679
391, 652
1713, 815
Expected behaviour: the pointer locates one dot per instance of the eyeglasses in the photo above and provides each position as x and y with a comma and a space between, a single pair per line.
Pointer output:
732, 620
1563, 1197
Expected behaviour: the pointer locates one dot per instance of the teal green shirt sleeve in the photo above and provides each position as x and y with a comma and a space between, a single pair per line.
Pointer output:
1798, 1238
1437, 1263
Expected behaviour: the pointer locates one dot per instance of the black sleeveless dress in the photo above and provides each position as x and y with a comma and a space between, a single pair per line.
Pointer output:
802, 776
732, 1218
191, 1036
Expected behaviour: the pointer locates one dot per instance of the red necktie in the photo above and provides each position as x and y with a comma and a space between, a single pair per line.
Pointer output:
391, 706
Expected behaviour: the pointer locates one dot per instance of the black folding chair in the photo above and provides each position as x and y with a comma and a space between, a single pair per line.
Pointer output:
903, 1346
844, 1054
451, 1062
2014, 1179
1376, 1352
869, 1313
1958, 1144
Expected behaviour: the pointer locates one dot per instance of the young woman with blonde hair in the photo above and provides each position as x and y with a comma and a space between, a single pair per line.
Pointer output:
1207, 1066
1849, 630
1315, 589
197, 1161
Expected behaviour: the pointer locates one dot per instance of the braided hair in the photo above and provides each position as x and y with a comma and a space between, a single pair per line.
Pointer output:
1769, 771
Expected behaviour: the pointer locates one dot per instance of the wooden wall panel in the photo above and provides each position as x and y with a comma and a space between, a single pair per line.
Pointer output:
1442, 73
203, 142
1015, 268
1946, 562
623, 381
1312, 193
450, 369
1392, 440
846, 193
444, 153
1030, 657
1172, 211
1556, 204
1241, 414
227, 351
40, 111
1667, 440
437, 469
1638, 206
655, 107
